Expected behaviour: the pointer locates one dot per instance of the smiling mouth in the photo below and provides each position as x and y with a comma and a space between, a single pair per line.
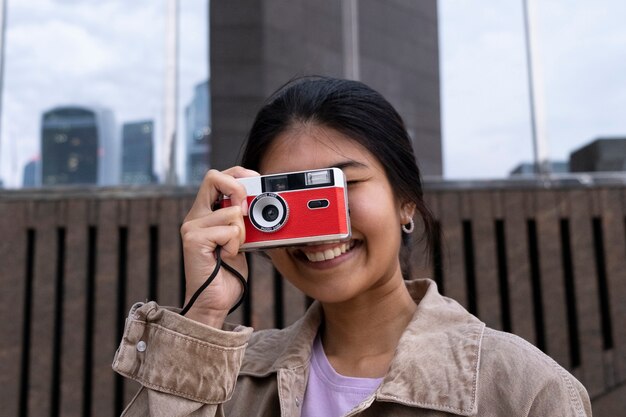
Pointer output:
328, 253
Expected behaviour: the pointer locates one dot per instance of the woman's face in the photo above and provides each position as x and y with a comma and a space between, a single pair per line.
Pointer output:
369, 261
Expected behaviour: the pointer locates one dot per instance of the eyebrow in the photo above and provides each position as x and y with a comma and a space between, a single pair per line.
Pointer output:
348, 164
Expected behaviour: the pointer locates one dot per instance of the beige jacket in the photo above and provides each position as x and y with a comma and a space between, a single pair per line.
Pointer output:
447, 363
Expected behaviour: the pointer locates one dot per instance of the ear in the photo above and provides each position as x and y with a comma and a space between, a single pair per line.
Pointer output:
407, 211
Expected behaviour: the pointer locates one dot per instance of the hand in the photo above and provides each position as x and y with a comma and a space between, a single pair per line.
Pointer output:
202, 231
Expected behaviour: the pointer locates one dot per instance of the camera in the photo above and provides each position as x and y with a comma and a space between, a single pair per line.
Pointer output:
295, 208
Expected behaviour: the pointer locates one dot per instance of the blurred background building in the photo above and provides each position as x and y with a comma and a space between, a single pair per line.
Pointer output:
138, 152
32, 173
198, 134
78, 146
601, 155
530, 169
256, 46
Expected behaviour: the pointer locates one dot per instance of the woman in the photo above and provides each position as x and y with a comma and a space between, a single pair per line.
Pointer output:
372, 344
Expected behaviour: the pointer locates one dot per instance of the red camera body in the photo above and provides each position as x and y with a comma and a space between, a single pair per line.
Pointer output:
295, 208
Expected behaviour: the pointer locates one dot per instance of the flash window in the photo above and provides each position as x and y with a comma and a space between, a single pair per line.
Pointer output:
318, 178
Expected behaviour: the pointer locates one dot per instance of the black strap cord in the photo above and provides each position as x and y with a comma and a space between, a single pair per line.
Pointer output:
210, 279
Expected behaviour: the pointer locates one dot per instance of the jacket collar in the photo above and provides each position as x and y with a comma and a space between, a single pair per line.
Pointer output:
437, 360
435, 365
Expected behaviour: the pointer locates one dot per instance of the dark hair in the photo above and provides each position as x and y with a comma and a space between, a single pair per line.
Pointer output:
360, 113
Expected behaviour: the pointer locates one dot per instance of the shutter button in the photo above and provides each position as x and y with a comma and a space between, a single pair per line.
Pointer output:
141, 346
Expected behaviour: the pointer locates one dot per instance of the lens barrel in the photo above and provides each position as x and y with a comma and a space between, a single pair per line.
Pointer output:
268, 212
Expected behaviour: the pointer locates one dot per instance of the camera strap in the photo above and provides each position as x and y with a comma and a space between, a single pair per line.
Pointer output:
219, 263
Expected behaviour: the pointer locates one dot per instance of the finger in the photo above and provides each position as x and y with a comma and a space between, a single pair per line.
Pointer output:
215, 183
240, 172
218, 183
219, 217
226, 236
226, 216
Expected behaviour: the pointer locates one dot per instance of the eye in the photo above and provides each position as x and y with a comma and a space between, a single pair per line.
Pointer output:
353, 181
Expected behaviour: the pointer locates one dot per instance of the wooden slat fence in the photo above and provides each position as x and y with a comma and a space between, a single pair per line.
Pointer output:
546, 264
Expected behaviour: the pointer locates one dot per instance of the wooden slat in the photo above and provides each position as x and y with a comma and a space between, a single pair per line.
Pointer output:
184, 205
497, 203
552, 280
465, 204
610, 370
74, 309
154, 233
294, 303
613, 203
586, 287
138, 265
468, 255
487, 287
169, 252
138, 251
105, 337
43, 217
262, 293
13, 247
564, 212
520, 293
454, 274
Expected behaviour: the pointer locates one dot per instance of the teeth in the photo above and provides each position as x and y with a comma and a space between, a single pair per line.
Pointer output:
329, 254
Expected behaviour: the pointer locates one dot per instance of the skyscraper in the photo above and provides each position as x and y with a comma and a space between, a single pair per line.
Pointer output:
78, 147
137, 152
31, 173
393, 46
601, 155
530, 169
198, 134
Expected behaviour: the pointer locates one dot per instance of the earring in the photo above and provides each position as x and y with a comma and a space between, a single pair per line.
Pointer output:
408, 228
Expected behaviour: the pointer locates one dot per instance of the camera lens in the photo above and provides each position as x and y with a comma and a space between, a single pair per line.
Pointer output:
270, 213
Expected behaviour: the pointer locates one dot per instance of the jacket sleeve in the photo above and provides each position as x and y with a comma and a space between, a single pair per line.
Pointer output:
561, 396
185, 367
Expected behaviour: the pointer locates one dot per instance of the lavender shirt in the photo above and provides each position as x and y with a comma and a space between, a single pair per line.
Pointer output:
329, 394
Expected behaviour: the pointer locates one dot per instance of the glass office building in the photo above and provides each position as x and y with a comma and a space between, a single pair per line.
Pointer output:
31, 174
78, 147
198, 134
138, 152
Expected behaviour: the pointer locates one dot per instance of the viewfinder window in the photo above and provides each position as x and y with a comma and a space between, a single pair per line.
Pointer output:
277, 183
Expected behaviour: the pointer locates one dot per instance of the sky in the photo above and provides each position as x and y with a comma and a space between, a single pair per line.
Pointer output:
111, 54
580, 49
